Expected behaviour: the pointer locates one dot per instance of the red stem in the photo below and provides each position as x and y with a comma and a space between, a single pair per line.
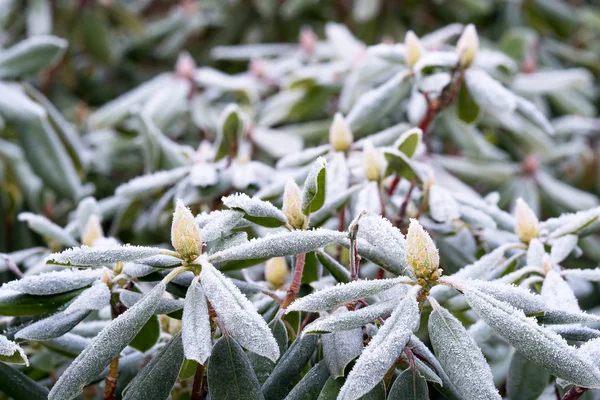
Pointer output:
575, 393
294, 288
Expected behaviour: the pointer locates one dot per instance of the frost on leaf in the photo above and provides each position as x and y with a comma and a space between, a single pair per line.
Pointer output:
237, 313
562, 247
52, 327
12, 353
148, 184
54, 282
218, 223
256, 210
94, 298
103, 255
558, 293
350, 320
315, 187
47, 228
340, 348
195, 325
165, 305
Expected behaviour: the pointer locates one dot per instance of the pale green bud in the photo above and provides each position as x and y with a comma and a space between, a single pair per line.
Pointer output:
292, 205
421, 253
467, 46
413, 49
276, 271
92, 231
340, 136
527, 222
372, 162
185, 233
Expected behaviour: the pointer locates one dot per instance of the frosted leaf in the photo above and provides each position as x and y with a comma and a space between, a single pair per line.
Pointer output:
102, 255
459, 355
368, 200
532, 113
136, 271
54, 282
160, 261
315, 187
562, 247
12, 353
237, 313
86, 208
164, 305
383, 350
575, 332
69, 343
442, 205
156, 379
342, 293
570, 223
350, 320
590, 351
52, 327
256, 210
340, 348
278, 245
303, 157
592, 275
558, 293
105, 347
484, 267
94, 298
195, 325
148, 184
47, 228
410, 385
525, 380
488, 93
218, 224
535, 343
334, 202
535, 253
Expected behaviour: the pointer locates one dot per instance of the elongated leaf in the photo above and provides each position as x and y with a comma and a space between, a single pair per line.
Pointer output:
468, 110
280, 382
343, 293
340, 348
52, 327
30, 56
218, 223
14, 303
535, 343
558, 293
526, 380
231, 127
459, 355
311, 384
409, 386
11, 353
587, 274
54, 282
148, 336
263, 367
94, 298
105, 347
165, 306
152, 183
400, 165
383, 350
156, 379
69, 344
102, 255
575, 332
488, 93
196, 333
442, 205
337, 270
562, 247
256, 210
47, 228
315, 187
17, 385
351, 320
237, 313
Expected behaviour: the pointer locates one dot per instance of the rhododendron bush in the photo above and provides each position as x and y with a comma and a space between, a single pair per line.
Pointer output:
295, 199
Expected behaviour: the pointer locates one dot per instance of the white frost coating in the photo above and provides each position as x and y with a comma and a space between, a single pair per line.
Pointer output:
562, 247
195, 325
52, 327
8, 349
535, 343
218, 224
339, 348
343, 293
570, 223
311, 184
54, 282
160, 261
488, 93
94, 298
558, 293
590, 351
165, 305
532, 113
278, 245
592, 275
383, 350
147, 184
459, 355
254, 207
47, 228
135, 270
102, 255
350, 320
105, 347
442, 205
482, 268
237, 313
303, 157
535, 253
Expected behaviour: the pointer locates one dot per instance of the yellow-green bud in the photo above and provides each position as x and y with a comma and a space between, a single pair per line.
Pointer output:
340, 136
467, 46
372, 162
413, 49
527, 222
292, 205
92, 231
421, 253
276, 271
185, 233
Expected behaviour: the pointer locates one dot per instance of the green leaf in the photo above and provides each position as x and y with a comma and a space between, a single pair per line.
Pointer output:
230, 375
256, 210
11, 353
30, 56
337, 270
331, 389
409, 142
188, 369
148, 336
526, 380
263, 367
314, 190
17, 385
47, 229
96, 36
312, 269
468, 110
400, 164
102, 255
311, 384
15, 106
16, 304
231, 127
156, 379
410, 385
52, 327
340, 348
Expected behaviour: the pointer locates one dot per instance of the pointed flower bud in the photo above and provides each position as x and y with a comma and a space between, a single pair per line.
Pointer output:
527, 222
185, 233
467, 46
292, 205
372, 162
92, 231
340, 136
413, 48
276, 271
421, 253
186, 66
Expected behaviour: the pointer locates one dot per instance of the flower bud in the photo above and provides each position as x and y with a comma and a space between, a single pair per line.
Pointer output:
185, 233
421, 253
527, 223
372, 162
340, 136
276, 271
308, 40
185, 66
92, 231
292, 205
413, 49
467, 46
